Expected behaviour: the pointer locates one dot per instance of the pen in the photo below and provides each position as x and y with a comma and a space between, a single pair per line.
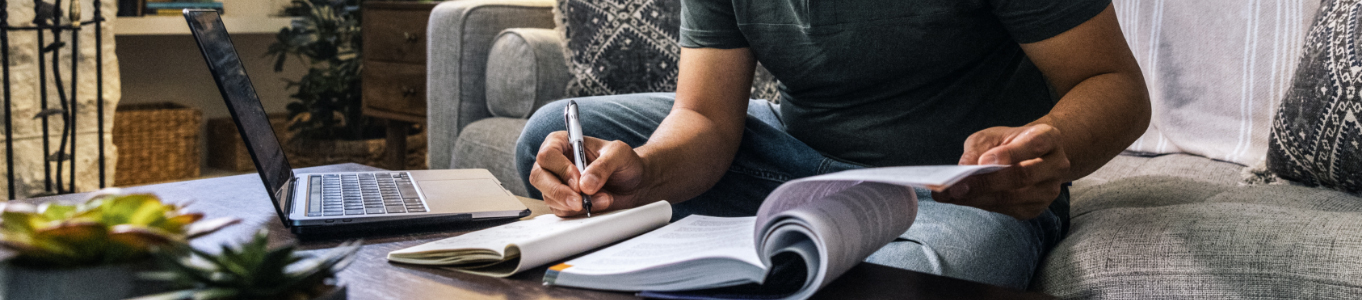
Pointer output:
574, 129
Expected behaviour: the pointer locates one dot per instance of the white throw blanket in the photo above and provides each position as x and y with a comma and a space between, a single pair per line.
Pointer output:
1216, 71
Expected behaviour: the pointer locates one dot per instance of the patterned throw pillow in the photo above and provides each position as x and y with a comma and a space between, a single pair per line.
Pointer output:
627, 46
620, 46
1316, 134
765, 85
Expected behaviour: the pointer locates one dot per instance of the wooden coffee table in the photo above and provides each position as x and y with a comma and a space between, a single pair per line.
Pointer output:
371, 276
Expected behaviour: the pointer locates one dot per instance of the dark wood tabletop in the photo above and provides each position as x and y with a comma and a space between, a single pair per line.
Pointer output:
371, 276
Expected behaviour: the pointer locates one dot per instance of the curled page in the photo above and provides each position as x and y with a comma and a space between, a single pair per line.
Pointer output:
846, 216
850, 221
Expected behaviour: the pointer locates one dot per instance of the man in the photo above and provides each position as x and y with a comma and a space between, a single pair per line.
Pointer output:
1048, 87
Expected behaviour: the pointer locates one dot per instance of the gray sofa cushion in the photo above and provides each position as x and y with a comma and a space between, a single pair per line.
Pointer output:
490, 144
1316, 135
1180, 226
525, 70
1180, 165
1161, 237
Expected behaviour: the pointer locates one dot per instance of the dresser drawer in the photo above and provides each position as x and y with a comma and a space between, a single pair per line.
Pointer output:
395, 90
396, 32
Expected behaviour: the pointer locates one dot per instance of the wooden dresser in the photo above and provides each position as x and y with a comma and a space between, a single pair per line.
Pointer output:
395, 68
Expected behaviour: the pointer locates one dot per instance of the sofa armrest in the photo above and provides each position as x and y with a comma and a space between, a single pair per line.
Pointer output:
525, 70
461, 34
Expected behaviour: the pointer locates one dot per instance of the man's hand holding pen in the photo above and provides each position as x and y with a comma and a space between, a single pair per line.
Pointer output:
609, 177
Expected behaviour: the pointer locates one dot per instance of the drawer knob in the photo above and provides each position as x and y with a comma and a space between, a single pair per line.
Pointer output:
408, 92
410, 37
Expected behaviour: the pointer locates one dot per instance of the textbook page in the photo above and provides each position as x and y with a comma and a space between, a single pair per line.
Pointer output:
931, 177
696, 252
507, 249
688, 239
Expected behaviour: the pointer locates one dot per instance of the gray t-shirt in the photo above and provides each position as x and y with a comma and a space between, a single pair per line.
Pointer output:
892, 82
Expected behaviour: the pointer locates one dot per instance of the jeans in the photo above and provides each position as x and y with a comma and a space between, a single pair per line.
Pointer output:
945, 239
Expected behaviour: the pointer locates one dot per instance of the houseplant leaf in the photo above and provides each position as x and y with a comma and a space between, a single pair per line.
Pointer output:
106, 229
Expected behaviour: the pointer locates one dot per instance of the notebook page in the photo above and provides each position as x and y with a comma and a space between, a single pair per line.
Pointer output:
546, 238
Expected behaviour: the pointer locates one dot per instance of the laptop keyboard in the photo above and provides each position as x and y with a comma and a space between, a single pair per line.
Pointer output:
352, 194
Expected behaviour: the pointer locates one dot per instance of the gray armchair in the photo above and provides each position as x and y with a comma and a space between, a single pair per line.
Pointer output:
491, 63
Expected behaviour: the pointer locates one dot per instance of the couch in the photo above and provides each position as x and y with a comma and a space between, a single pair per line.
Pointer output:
1186, 212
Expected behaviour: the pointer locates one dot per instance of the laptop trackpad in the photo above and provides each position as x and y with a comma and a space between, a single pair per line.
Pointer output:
468, 195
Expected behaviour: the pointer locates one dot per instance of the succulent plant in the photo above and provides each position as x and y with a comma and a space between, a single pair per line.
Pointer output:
252, 271
109, 228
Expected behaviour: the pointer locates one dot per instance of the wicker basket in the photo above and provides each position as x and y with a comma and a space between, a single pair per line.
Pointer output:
156, 142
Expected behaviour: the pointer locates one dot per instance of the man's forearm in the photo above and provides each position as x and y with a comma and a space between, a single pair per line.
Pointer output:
686, 156
694, 145
1099, 118
1105, 104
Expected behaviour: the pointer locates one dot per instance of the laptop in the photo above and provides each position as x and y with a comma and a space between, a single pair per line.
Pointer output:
313, 202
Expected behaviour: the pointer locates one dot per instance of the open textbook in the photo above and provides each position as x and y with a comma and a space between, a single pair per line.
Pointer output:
806, 233
508, 249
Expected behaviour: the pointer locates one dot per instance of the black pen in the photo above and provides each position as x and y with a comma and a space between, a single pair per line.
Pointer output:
574, 129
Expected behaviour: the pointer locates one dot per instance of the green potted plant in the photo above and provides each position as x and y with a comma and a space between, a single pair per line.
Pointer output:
254, 271
90, 250
326, 114
326, 38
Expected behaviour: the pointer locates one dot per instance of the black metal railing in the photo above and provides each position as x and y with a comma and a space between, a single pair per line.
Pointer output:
49, 19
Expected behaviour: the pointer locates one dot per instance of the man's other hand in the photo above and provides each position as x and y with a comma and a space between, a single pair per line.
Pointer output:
612, 178
1038, 165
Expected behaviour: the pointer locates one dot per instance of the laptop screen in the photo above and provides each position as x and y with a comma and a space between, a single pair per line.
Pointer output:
243, 103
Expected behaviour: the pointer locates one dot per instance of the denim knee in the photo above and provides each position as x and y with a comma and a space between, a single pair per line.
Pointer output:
547, 119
